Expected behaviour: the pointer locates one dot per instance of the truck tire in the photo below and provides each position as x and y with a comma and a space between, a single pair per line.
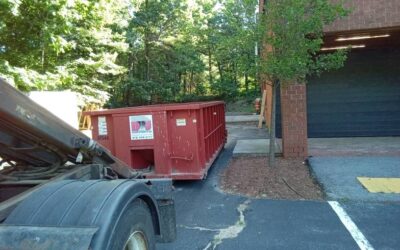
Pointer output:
134, 231
117, 208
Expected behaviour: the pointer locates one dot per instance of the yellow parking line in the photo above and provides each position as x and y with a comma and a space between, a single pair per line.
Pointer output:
381, 185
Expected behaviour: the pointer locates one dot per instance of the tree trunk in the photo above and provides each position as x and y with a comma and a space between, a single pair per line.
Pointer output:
43, 47
43, 54
221, 77
210, 66
235, 80
147, 57
271, 158
191, 82
246, 82
130, 63
184, 83
135, 66
127, 96
146, 48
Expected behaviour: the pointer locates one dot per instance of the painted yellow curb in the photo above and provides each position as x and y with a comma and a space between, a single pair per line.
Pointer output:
381, 185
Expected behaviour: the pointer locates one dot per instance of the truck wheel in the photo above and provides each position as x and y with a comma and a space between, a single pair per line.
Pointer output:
135, 230
124, 220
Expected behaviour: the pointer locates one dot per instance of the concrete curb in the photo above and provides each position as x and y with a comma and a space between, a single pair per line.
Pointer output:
241, 118
255, 147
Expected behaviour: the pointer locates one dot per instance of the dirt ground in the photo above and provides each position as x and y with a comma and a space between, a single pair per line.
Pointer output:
288, 179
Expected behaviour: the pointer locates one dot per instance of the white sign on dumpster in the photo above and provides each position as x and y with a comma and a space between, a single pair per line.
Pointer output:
102, 125
180, 122
141, 127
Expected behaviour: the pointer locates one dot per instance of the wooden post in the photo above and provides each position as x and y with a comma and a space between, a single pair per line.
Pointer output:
262, 110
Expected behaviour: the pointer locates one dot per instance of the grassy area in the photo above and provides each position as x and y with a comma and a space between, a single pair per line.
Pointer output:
241, 106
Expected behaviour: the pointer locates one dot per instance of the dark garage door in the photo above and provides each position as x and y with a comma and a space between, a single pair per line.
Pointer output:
361, 99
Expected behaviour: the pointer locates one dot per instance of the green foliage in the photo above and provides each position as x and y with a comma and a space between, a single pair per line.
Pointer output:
136, 52
243, 105
233, 40
182, 49
160, 55
58, 44
294, 30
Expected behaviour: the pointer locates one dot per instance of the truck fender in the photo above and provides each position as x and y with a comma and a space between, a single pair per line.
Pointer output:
91, 204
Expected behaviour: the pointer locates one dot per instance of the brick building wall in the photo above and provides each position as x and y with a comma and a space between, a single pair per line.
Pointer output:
365, 15
294, 120
368, 14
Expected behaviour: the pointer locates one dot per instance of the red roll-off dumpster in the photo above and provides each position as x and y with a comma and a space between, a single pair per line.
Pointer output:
178, 141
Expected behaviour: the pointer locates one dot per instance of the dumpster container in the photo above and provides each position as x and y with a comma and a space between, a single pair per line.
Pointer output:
178, 141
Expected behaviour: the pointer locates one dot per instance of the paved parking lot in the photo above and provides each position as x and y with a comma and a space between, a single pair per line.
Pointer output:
210, 219
338, 175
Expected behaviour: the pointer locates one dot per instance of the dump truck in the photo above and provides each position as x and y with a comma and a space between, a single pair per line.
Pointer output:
59, 189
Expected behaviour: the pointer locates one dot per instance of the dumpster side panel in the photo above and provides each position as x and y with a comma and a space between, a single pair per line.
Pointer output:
184, 147
162, 164
141, 145
122, 138
214, 130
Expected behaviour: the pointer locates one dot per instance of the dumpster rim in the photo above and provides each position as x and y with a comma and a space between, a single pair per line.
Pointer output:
154, 108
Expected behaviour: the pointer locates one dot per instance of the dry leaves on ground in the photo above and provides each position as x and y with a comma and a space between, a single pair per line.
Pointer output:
288, 179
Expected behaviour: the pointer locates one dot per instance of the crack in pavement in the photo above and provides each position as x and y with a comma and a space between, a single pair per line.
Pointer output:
230, 232
200, 228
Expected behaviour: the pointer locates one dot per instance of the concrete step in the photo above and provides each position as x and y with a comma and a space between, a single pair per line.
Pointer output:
255, 147
241, 118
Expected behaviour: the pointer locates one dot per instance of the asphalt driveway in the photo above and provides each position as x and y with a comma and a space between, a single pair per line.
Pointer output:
338, 175
210, 219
